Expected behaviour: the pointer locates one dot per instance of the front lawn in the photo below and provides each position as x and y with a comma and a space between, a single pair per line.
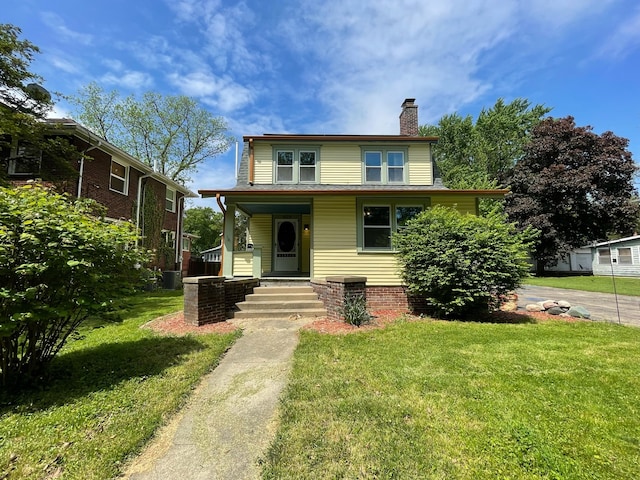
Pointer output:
623, 285
108, 393
453, 400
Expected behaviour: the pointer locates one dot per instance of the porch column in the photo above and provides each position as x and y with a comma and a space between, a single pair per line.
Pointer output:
229, 222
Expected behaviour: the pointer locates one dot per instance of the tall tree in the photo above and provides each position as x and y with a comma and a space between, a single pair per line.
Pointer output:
170, 133
23, 102
206, 224
574, 186
478, 155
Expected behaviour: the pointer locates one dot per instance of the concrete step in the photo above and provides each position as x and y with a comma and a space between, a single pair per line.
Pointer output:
282, 314
282, 290
292, 305
275, 297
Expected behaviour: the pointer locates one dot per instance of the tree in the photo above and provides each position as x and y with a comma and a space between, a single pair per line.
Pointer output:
206, 224
23, 103
574, 186
60, 261
169, 133
461, 264
478, 155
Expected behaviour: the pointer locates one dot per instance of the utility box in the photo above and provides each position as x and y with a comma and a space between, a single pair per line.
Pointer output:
171, 279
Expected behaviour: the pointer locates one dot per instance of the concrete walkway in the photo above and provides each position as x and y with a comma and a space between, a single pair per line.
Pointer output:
230, 420
602, 306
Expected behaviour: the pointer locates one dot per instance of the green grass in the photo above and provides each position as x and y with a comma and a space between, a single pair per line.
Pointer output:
624, 285
452, 400
108, 393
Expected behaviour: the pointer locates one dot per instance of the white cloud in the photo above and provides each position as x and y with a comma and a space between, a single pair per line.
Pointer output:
128, 79
57, 24
221, 93
65, 64
624, 40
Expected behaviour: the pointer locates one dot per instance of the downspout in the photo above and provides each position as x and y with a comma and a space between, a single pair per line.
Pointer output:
224, 216
251, 162
81, 175
140, 201
179, 227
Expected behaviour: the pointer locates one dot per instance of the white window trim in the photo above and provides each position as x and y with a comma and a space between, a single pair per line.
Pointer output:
173, 200
296, 166
630, 255
125, 179
384, 173
14, 153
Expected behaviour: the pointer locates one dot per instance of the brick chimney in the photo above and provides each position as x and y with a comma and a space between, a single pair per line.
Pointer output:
409, 118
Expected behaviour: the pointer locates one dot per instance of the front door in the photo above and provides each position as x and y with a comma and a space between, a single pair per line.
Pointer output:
286, 245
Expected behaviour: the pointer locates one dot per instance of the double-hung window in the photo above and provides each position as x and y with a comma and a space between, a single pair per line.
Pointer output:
23, 158
296, 165
624, 256
384, 165
604, 256
170, 203
377, 220
118, 179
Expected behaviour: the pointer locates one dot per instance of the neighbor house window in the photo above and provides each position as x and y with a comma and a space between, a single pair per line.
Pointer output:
170, 204
23, 159
384, 165
604, 256
118, 181
296, 165
377, 222
624, 256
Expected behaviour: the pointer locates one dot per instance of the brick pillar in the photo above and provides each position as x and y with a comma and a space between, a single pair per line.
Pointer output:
338, 289
204, 300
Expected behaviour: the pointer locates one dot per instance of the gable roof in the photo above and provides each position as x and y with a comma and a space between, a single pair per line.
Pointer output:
68, 126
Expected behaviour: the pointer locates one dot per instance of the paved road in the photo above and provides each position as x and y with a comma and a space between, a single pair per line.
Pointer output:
602, 306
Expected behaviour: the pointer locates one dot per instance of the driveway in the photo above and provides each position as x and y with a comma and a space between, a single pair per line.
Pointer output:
602, 306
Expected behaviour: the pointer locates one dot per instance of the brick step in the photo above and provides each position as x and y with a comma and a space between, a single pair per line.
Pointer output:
282, 314
280, 305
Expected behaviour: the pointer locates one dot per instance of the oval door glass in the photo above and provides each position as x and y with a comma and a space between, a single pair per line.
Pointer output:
286, 237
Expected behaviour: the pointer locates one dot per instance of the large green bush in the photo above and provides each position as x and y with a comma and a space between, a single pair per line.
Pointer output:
60, 261
461, 263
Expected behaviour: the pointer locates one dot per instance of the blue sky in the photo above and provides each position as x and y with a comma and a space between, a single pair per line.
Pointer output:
345, 66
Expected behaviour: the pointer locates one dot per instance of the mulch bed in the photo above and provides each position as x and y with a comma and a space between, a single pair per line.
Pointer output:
174, 324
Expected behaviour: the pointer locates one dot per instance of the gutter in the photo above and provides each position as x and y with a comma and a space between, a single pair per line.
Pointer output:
81, 175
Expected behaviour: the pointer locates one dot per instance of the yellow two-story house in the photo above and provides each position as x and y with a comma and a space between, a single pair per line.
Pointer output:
326, 205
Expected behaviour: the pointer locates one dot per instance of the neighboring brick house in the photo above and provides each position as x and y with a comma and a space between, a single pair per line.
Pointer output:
121, 183
325, 206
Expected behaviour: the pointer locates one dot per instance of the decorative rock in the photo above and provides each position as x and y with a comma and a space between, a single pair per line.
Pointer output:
554, 310
579, 312
565, 315
564, 304
549, 304
533, 307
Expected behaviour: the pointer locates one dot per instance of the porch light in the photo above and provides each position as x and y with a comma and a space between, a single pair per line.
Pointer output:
306, 227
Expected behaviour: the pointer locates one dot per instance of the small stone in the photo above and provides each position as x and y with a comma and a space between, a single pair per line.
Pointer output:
555, 310
579, 312
565, 315
564, 304
549, 304
533, 307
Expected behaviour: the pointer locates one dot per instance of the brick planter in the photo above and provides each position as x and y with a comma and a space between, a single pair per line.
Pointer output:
204, 300
333, 291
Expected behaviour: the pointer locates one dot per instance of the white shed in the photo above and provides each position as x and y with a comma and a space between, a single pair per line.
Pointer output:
617, 257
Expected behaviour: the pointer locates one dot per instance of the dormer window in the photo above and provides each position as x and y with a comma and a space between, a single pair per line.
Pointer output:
296, 165
384, 165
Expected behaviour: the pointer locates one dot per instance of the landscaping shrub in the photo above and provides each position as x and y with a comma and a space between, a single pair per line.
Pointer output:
60, 262
462, 263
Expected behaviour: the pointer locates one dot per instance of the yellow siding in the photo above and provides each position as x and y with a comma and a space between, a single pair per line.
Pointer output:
335, 251
260, 235
306, 243
242, 264
420, 169
463, 203
341, 164
263, 162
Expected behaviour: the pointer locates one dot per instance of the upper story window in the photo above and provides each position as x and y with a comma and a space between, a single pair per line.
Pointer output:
384, 165
296, 165
170, 204
119, 177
